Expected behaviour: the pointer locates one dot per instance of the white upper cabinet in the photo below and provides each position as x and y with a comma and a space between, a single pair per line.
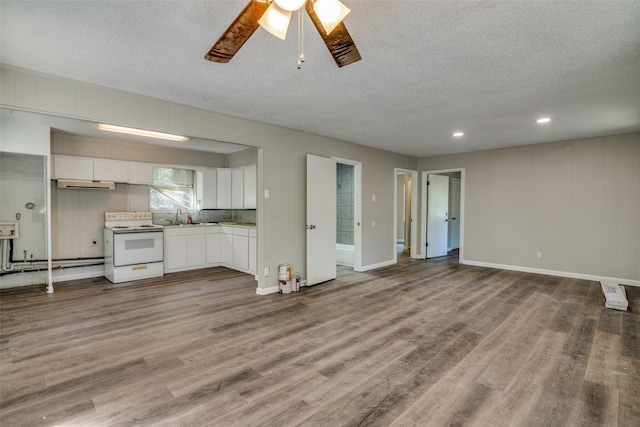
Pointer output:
110, 170
250, 183
140, 173
243, 187
209, 199
70, 167
237, 189
223, 186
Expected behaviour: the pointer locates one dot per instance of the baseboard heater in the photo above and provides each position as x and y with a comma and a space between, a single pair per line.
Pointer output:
614, 295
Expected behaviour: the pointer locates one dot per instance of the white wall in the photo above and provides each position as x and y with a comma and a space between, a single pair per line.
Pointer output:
577, 202
281, 218
104, 148
20, 137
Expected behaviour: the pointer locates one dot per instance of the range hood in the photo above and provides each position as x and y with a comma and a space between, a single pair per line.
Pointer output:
86, 185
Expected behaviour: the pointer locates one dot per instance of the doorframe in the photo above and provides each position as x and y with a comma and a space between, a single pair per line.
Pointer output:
423, 216
357, 210
414, 211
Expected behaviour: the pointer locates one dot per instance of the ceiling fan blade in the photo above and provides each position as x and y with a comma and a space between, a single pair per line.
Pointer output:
339, 42
245, 24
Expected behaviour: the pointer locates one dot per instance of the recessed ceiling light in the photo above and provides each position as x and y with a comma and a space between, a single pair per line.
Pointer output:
458, 134
543, 120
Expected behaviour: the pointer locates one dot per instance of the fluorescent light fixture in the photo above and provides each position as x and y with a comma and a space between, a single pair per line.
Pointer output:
458, 134
543, 120
276, 20
142, 132
330, 13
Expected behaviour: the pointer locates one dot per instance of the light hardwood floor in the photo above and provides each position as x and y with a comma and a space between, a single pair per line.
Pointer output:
419, 343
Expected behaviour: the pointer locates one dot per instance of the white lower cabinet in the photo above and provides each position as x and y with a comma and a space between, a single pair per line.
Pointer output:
241, 248
191, 247
226, 245
212, 236
175, 251
196, 250
184, 248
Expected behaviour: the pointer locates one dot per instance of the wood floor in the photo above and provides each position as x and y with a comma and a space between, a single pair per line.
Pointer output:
416, 344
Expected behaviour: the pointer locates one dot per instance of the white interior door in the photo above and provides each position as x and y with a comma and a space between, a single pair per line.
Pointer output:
321, 219
437, 215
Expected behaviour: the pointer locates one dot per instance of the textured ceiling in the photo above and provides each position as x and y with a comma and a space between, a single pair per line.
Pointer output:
429, 68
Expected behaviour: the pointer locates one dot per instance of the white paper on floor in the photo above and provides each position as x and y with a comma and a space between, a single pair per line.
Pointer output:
614, 295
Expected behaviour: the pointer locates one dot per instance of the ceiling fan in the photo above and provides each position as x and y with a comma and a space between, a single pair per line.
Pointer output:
274, 16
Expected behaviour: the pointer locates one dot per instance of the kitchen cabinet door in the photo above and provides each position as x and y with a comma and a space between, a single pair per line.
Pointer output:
175, 252
140, 173
237, 189
226, 246
209, 189
110, 170
196, 249
70, 167
213, 245
223, 186
250, 185
241, 252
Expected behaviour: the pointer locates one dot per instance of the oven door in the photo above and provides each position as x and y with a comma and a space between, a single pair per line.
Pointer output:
137, 248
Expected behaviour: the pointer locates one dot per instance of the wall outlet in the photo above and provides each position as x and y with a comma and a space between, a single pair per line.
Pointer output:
95, 242
373, 197
266, 272
303, 282
539, 255
373, 224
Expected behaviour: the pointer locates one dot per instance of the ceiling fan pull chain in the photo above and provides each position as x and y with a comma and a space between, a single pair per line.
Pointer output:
300, 39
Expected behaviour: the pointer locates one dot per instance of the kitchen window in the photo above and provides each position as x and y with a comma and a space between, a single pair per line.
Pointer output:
172, 189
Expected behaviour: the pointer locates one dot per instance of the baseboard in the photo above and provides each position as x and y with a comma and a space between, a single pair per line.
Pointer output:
569, 274
378, 265
75, 273
267, 291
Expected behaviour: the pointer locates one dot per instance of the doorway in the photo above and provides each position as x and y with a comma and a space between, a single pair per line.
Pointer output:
348, 212
344, 215
406, 209
443, 213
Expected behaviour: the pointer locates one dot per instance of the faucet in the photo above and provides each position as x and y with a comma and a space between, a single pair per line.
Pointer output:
178, 212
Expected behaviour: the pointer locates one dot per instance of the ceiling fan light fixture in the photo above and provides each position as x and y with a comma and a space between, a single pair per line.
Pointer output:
142, 132
290, 5
276, 20
330, 13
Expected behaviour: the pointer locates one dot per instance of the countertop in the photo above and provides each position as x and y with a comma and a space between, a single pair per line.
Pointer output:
205, 224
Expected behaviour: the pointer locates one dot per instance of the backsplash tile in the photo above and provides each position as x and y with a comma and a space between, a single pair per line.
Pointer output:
243, 216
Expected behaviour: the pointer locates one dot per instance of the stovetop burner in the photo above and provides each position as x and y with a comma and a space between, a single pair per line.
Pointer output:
130, 222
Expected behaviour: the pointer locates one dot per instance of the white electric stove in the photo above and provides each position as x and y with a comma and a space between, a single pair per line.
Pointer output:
133, 246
